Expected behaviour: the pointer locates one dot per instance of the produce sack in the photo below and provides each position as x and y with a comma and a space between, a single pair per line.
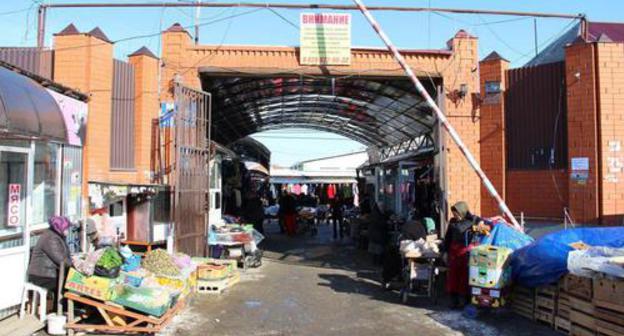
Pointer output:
160, 262
151, 301
109, 264
546, 260
585, 263
502, 235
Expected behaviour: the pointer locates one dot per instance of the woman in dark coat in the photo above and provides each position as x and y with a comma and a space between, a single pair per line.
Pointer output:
49, 254
457, 245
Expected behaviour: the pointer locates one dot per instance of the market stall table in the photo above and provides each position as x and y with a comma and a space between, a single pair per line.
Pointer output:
117, 318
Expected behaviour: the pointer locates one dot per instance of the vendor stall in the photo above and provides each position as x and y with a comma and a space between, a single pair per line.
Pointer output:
41, 136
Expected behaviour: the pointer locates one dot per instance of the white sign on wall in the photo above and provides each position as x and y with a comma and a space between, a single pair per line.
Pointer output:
15, 205
580, 163
325, 39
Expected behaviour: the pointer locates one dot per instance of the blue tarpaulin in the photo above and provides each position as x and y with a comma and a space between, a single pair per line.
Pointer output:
546, 260
505, 236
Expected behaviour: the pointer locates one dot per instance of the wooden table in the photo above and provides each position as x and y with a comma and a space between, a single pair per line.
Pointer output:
117, 318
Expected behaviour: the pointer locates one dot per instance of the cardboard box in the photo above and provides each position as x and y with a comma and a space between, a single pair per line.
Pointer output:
93, 286
489, 277
488, 256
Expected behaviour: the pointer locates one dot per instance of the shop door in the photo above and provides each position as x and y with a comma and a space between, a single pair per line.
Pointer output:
13, 228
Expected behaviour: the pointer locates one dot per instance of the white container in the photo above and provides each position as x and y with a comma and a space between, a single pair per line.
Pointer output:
56, 324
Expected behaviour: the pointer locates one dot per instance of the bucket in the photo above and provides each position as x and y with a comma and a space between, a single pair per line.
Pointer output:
56, 324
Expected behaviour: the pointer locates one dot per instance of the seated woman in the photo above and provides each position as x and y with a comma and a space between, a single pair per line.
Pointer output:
49, 254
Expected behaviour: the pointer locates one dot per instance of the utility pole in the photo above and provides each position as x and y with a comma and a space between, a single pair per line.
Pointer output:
197, 15
41, 23
535, 34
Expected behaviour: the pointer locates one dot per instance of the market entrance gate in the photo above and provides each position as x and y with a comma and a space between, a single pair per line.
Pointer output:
259, 88
191, 173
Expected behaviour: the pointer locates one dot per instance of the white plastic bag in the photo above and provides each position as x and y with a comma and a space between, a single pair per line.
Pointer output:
585, 263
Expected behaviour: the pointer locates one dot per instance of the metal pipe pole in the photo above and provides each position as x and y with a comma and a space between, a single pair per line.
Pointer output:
441, 117
314, 6
41, 23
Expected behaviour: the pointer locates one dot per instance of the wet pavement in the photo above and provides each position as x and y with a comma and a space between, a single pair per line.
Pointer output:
317, 286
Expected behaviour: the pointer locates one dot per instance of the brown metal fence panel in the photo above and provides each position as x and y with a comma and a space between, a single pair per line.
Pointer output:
35, 60
122, 118
191, 175
536, 117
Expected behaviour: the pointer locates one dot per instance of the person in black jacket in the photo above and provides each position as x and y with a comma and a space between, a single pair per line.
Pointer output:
457, 246
49, 254
253, 211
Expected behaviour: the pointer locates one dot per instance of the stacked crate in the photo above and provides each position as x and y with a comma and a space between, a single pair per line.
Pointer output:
609, 306
523, 301
546, 304
580, 293
562, 313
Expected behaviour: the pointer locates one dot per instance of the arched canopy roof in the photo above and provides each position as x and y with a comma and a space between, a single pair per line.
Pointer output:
374, 111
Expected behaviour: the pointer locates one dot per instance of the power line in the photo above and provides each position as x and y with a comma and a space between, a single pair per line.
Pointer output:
284, 18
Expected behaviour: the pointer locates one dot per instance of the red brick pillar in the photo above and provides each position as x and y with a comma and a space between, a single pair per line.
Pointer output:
580, 59
492, 71
146, 108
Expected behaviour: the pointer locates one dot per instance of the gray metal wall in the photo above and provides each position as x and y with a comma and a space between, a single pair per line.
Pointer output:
536, 117
31, 59
122, 119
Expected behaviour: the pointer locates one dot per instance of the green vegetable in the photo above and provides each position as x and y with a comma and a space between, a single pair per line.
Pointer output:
110, 259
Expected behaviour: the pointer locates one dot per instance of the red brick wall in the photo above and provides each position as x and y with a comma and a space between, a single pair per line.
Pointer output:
583, 129
535, 193
610, 90
492, 142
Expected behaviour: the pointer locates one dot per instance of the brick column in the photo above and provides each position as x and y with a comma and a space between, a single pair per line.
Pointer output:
610, 92
146, 108
85, 61
580, 58
463, 182
492, 71
177, 60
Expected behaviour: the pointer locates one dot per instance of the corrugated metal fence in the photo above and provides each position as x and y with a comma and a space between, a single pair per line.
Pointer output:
122, 119
536, 117
31, 59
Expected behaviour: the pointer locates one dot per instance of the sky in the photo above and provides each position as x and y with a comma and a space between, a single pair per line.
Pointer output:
512, 38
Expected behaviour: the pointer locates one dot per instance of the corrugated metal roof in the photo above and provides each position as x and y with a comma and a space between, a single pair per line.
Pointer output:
373, 111
597, 31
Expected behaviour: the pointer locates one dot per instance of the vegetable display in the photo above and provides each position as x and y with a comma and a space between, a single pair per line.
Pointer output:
110, 259
160, 262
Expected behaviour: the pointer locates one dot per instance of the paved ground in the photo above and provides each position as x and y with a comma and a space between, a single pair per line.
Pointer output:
315, 286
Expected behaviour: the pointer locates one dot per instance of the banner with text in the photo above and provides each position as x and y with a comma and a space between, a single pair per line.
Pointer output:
325, 39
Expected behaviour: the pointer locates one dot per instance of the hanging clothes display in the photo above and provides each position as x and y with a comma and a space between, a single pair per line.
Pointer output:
356, 194
297, 189
331, 191
304, 189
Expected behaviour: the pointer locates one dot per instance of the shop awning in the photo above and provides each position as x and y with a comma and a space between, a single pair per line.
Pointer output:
27, 109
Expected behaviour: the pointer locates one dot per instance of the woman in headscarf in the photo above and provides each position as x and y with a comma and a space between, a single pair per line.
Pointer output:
49, 254
457, 245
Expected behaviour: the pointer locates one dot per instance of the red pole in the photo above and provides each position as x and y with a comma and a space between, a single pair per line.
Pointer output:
447, 125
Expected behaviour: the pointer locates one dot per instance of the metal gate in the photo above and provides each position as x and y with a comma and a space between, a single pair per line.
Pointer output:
191, 174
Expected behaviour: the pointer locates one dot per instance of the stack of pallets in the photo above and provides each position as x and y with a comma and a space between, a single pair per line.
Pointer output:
562, 313
546, 304
523, 301
609, 306
580, 292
